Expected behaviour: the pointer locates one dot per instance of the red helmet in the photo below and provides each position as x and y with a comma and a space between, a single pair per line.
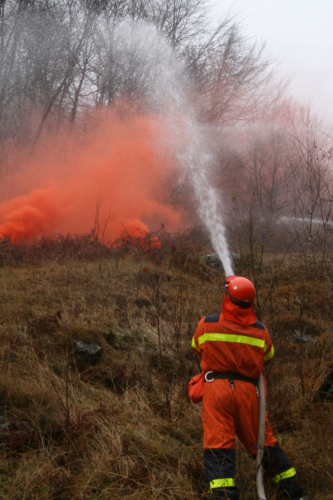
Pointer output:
240, 290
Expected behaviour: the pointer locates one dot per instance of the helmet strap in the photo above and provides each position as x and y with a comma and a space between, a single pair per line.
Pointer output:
240, 303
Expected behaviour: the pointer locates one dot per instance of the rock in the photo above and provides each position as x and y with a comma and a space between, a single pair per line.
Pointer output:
325, 391
297, 337
213, 260
89, 352
4, 426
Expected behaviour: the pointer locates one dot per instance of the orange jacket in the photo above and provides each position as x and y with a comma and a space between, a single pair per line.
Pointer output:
233, 341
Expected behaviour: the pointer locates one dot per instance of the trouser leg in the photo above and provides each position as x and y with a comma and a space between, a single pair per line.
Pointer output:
282, 472
220, 472
218, 413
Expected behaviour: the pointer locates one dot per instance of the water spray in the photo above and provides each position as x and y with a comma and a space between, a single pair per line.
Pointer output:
166, 91
198, 160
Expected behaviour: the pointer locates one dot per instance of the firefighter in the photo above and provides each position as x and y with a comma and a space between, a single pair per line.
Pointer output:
235, 347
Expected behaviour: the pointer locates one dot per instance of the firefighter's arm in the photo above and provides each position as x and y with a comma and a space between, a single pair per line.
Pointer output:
195, 339
269, 348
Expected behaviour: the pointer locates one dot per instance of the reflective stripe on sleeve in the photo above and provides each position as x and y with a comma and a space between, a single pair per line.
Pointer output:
269, 355
194, 345
228, 337
226, 482
284, 475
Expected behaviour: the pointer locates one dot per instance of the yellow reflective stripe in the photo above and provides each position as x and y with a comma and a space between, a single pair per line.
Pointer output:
284, 475
194, 345
228, 337
227, 482
269, 355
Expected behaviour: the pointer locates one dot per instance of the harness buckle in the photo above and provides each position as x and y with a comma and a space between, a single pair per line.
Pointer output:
206, 378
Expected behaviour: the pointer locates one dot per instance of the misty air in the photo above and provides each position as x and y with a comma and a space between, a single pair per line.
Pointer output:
166, 253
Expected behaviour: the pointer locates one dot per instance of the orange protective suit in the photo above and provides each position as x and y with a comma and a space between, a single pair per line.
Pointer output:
235, 344
232, 342
228, 411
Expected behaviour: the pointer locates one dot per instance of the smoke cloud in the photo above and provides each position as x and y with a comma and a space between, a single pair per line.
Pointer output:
122, 175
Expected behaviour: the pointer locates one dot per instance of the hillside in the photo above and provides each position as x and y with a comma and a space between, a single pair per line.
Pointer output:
120, 425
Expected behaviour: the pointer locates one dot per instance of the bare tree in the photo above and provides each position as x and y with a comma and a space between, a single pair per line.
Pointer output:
257, 238
234, 78
268, 172
61, 57
312, 186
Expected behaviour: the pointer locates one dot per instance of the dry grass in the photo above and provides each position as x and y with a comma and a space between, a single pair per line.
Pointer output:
123, 427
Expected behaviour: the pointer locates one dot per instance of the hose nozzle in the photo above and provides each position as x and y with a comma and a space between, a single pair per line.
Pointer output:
228, 279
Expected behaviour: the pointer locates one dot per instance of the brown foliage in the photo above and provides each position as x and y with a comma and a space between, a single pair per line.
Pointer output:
125, 427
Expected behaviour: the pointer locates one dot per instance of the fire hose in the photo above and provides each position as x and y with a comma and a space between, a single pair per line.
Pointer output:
261, 440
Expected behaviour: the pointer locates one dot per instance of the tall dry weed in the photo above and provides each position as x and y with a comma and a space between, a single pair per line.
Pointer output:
123, 426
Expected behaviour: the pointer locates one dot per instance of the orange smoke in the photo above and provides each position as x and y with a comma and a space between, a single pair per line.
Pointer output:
138, 231
120, 178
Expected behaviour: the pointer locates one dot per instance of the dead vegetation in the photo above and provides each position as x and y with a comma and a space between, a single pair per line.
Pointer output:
122, 426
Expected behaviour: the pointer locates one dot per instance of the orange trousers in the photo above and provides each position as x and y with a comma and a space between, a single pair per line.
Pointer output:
227, 412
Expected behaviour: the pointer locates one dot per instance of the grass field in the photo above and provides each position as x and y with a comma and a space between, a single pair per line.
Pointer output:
122, 426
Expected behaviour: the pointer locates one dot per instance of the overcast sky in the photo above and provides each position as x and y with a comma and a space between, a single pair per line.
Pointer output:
299, 33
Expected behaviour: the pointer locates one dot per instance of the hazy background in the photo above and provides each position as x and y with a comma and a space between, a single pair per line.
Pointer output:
299, 34
156, 102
